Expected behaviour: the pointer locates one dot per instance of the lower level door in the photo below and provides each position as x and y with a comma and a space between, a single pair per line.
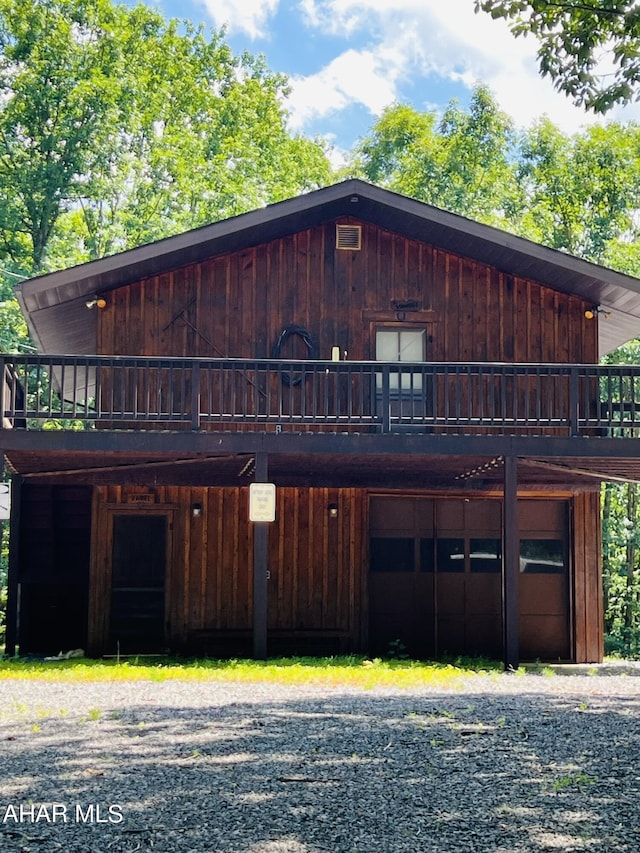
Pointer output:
139, 567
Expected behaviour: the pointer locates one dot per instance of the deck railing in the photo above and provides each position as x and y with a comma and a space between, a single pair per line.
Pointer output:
131, 392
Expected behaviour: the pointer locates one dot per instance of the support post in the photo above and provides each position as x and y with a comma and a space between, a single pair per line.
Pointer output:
511, 565
260, 570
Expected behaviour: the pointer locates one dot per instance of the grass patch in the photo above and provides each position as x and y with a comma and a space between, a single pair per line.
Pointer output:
573, 780
352, 671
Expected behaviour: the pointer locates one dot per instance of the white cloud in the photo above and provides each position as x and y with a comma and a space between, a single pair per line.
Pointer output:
422, 40
361, 77
460, 45
344, 17
242, 16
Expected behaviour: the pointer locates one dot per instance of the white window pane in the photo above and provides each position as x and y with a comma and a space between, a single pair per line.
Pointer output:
387, 346
412, 345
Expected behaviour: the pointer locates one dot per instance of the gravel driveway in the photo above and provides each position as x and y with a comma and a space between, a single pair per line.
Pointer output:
498, 763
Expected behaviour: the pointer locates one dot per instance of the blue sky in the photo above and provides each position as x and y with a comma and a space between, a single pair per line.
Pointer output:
349, 59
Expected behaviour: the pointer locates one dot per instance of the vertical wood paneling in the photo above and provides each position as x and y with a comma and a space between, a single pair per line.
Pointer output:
100, 575
214, 565
467, 311
303, 568
587, 606
579, 582
317, 562
242, 301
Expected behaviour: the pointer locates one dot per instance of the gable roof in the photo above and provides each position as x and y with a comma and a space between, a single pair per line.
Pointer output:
55, 304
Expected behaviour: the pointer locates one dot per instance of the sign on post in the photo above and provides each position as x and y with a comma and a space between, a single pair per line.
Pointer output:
5, 501
262, 502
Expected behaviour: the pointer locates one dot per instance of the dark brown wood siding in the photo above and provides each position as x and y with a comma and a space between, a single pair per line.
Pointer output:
587, 592
317, 584
53, 567
235, 305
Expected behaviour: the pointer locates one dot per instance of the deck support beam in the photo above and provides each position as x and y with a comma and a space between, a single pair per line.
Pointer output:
511, 565
260, 569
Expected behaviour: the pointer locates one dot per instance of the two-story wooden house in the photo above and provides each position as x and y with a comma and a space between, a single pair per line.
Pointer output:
423, 391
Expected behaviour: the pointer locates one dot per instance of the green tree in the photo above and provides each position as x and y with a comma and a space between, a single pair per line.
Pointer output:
578, 41
581, 191
118, 127
578, 193
461, 161
621, 546
62, 74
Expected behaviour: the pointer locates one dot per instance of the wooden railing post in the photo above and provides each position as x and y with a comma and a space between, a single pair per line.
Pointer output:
574, 404
386, 401
4, 394
195, 396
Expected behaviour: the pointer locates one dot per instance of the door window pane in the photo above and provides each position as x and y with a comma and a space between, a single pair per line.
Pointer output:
485, 555
387, 346
411, 345
139, 550
450, 554
542, 556
392, 555
427, 561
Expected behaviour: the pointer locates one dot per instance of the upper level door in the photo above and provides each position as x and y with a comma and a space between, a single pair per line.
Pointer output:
403, 394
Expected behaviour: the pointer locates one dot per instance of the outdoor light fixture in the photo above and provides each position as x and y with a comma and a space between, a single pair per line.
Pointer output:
590, 313
96, 302
196, 510
333, 510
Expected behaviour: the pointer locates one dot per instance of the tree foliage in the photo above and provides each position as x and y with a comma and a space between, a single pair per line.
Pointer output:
459, 161
589, 48
578, 193
118, 127
621, 548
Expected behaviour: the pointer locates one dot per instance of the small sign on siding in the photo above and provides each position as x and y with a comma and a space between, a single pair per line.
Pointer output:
5, 501
262, 502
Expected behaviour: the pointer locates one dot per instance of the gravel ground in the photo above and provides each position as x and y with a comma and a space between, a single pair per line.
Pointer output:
500, 763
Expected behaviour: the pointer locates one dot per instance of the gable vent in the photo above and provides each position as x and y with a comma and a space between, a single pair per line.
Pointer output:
349, 237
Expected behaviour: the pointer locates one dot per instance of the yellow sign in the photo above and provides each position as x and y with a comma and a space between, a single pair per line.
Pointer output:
262, 502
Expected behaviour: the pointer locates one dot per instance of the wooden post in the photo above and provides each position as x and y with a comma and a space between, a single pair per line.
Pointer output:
12, 614
511, 565
260, 570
